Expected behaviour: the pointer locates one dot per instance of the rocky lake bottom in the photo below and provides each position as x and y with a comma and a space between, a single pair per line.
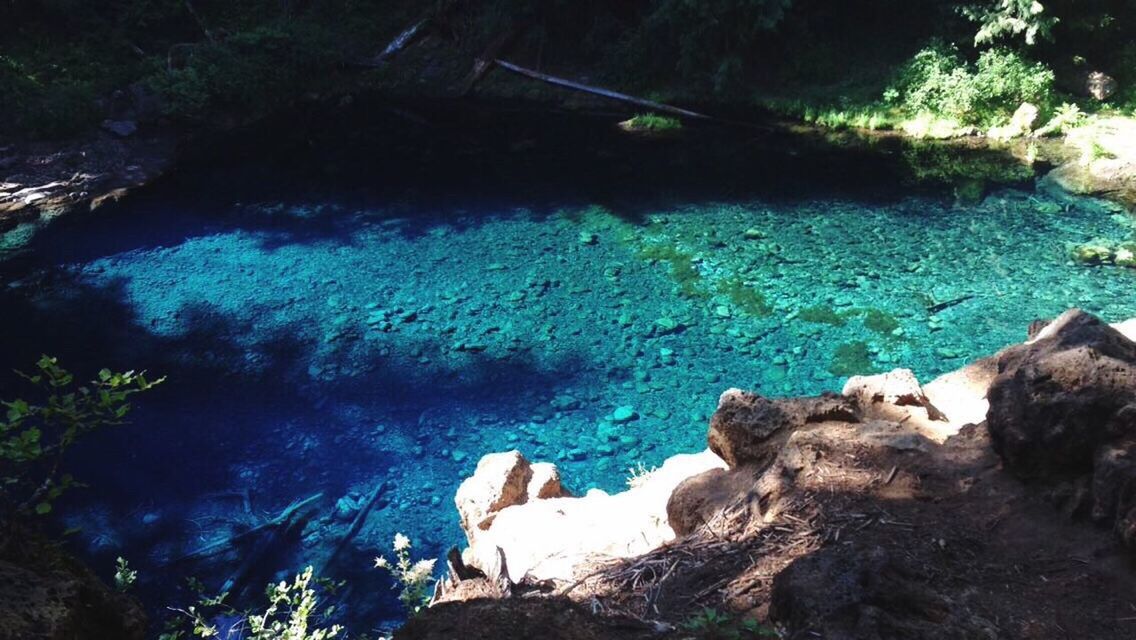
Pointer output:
327, 344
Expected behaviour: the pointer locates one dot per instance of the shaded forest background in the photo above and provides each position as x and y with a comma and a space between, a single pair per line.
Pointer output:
63, 63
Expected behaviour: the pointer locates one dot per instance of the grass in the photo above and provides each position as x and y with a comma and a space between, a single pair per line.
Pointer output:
652, 122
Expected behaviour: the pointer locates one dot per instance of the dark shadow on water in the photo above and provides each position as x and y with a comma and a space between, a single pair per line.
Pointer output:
222, 424
328, 176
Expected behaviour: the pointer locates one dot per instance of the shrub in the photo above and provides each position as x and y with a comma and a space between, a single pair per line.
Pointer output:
940, 82
35, 436
413, 578
124, 576
289, 616
711, 624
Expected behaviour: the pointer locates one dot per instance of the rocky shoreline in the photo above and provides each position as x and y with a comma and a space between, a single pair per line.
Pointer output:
39, 181
996, 501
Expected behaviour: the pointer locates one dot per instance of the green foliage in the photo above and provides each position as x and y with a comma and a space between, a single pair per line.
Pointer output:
704, 41
822, 314
711, 624
851, 358
291, 615
654, 122
35, 435
251, 72
413, 579
124, 576
1002, 19
1065, 118
940, 82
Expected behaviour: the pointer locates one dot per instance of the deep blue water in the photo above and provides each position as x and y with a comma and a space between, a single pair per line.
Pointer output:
387, 304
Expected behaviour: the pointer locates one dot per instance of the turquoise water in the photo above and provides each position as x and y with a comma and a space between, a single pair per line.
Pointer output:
333, 338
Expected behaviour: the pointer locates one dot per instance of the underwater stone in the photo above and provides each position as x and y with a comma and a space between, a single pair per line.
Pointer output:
668, 325
1125, 255
753, 233
1095, 252
625, 413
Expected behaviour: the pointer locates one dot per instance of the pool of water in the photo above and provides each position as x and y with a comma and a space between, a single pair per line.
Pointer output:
387, 307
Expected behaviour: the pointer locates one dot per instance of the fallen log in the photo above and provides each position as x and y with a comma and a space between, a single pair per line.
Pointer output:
935, 308
284, 520
356, 525
400, 42
403, 40
599, 91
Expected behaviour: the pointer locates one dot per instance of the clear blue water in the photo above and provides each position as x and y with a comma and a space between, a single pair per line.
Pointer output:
326, 329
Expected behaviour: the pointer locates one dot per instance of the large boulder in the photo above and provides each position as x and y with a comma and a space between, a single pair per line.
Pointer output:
45, 595
540, 532
750, 429
503, 480
1063, 413
1062, 395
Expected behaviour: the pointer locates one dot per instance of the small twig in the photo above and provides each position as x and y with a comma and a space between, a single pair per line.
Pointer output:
891, 476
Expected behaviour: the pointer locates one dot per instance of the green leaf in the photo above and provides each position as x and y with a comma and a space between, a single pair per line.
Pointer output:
43, 508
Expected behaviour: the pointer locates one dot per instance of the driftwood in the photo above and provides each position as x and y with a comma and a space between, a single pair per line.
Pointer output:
599, 91
284, 521
400, 42
403, 40
356, 525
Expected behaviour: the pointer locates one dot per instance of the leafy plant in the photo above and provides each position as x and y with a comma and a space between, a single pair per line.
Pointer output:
999, 19
653, 122
124, 576
711, 624
35, 436
292, 608
413, 578
1066, 117
939, 82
